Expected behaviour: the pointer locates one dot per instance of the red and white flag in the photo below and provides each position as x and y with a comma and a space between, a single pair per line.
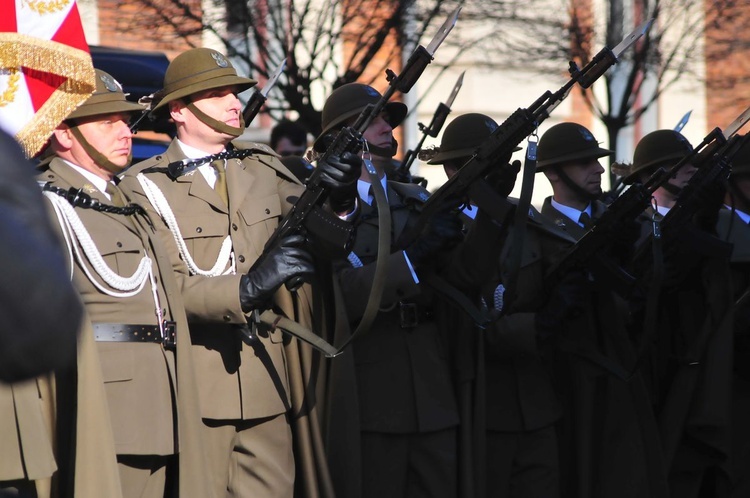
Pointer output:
45, 68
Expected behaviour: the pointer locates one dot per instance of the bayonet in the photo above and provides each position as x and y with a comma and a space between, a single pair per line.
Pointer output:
631, 38
274, 78
683, 122
607, 57
438, 120
442, 33
738, 123
456, 88
258, 98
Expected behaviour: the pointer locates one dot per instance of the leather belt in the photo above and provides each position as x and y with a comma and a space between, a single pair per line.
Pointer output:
411, 314
125, 332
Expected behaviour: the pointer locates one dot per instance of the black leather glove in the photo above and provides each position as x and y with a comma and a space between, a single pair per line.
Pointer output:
503, 179
283, 262
340, 175
443, 231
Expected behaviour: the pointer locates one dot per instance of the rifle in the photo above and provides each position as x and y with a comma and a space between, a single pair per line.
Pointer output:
259, 97
349, 138
633, 202
703, 187
438, 120
519, 125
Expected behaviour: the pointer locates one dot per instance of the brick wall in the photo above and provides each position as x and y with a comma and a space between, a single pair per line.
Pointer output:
137, 25
728, 66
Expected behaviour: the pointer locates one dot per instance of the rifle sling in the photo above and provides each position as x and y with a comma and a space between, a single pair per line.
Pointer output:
521, 216
384, 250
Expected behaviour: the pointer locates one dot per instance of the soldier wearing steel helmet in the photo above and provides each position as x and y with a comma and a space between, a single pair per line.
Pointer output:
607, 434
217, 219
403, 416
686, 316
518, 403
733, 227
131, 296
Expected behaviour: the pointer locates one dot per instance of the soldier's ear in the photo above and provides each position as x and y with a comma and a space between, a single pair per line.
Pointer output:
63, 136
177, 110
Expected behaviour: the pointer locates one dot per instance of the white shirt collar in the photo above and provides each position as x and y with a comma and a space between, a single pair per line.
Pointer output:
363, 189
98, 181
570, 212
206, 170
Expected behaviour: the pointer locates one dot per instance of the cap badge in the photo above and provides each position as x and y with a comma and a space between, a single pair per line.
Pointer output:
220, 60
110, 83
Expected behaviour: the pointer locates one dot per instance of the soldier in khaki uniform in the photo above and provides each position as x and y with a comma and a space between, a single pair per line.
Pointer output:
217, 219
131, 297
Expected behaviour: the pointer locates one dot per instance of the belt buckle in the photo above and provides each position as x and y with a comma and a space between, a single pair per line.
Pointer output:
408, 315
169, 339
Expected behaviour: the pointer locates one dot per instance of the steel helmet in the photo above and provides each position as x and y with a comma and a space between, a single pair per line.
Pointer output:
199, 69
348, 101
462, 136
567, 142
658, 148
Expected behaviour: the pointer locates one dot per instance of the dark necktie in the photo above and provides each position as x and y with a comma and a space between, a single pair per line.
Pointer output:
115, 195
585, 220
221, 180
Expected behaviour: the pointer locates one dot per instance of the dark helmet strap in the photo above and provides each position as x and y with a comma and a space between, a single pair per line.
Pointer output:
383, 151
97, 156
215, 123
577, 189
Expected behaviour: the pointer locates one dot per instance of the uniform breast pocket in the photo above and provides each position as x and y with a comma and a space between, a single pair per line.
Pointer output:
122, 252
261, 214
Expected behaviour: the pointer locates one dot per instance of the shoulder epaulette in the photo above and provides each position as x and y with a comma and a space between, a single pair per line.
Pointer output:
255, 147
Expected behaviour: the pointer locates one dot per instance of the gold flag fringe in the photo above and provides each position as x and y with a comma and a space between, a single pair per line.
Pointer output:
19, 50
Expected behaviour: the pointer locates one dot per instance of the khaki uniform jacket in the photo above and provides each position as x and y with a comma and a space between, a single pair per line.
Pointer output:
237, 380
139, 378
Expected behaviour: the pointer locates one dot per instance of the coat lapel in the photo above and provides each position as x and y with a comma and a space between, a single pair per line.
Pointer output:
196, 184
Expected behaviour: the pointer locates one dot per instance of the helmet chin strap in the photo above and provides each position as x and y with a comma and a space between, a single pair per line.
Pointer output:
215, 123
97, 156
582, 194
383, 151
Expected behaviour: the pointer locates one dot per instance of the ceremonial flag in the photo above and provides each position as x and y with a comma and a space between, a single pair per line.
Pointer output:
45, 68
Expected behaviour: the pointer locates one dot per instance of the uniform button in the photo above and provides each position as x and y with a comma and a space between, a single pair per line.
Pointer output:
234, 226
241, 258
119, 244
158, 158
50, 176
227, 318
268, 211
199, 229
